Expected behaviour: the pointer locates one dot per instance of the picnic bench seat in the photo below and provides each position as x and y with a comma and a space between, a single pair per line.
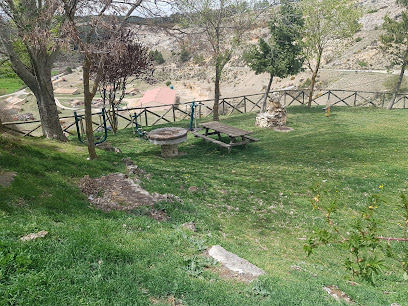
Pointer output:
232, 132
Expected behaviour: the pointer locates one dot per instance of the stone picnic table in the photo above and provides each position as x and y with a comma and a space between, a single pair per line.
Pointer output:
168, 138
238, 137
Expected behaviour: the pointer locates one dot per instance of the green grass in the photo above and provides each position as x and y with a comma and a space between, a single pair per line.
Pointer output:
10, 85
252, 202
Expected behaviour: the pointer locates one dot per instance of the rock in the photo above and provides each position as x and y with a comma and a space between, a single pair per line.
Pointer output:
190, 226
6, 178
274, 117
192, 189
238, 268
337, 294
107, 146
34, 236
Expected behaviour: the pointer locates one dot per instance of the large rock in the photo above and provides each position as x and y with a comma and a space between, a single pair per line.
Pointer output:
275, 116
239, 268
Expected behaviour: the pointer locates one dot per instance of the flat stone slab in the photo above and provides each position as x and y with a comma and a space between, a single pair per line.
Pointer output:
6, 178
167, 136
234, 267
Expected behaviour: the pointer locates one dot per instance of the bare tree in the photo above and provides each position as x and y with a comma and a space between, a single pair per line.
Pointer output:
97, 34
220, 24
30, 34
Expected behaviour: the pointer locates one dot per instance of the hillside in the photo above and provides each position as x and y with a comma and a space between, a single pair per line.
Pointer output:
255, 202
360, 55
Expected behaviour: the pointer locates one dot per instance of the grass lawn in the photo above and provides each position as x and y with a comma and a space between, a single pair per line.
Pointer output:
9, 85
253, 202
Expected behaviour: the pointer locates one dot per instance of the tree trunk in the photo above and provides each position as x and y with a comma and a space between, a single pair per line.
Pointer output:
400, 79
88, 108
314, 76
266, 94
1, 126
216, 116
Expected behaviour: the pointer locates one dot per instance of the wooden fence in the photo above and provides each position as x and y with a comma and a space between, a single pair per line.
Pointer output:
153, 115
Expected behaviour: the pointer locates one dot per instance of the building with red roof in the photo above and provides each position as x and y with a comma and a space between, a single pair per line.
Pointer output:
161, 97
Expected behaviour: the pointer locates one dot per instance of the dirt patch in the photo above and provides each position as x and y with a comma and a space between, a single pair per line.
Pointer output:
6, 178
118, 192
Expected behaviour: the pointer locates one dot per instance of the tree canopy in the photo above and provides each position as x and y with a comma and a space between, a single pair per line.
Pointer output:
326, 21
280, 57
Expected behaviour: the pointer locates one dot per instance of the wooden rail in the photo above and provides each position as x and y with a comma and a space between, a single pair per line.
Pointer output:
150, 116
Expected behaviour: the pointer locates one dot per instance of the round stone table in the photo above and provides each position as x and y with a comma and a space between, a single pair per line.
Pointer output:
168, 138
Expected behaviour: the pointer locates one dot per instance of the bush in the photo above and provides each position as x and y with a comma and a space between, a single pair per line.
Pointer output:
168, 83
199, 59
184, 56
68, 70
157, 57
358, 39
363, 63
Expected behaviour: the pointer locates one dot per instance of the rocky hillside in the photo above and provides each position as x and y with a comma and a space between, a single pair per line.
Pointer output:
361, 52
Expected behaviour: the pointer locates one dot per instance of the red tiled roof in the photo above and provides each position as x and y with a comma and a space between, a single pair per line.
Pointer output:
160, 95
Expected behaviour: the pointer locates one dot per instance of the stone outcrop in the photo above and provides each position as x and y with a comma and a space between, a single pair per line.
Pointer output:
275, 116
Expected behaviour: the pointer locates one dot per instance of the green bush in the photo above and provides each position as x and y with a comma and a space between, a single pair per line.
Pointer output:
168, 83
363, 63
184, 56
157, 57
68, 70
358, 39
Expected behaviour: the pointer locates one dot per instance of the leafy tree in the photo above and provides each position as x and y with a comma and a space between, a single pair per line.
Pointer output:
326, 21
282, 55
219, 27
31, 32
395, 42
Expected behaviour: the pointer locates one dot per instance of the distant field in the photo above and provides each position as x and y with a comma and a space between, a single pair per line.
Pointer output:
254, 202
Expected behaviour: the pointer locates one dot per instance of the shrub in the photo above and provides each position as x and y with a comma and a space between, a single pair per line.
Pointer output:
184, 56
157, 57
358, 39
199, 59
68, 70
363, 63
168, 83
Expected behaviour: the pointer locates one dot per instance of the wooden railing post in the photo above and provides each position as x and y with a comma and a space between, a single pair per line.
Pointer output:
174, 113
328, 97
145, 112
245, 108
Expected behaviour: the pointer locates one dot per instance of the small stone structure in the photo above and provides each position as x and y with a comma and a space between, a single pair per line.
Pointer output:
274, 117
168, 138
